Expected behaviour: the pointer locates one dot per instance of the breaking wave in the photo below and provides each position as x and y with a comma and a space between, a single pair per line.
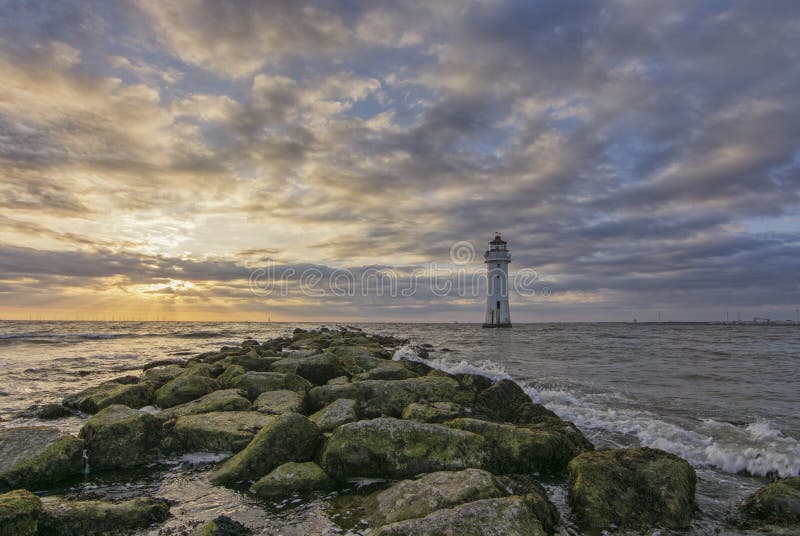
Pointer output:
758, 448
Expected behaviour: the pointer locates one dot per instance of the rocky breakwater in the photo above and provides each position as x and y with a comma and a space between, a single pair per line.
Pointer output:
317, 411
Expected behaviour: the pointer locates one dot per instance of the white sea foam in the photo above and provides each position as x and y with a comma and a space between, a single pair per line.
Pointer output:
759, 448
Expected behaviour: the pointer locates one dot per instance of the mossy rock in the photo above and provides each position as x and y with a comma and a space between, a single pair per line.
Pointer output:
637, 489
317, 369
378, 398
158, 376
66, 517
515, 449
222, 526
340, 380
337, 413
184, 388
223, 431
436, 412
231, 371
251, 361
409, 499
292, 479
507, 402
38, 457
775, 505
288, 438
282, 401
94, 399
255, 383
46, 412
224, 400
19, 513
358, 359
506, 516
119, 437
389, 370
393, 448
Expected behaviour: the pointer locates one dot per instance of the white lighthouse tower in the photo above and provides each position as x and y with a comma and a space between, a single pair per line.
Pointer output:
497, 258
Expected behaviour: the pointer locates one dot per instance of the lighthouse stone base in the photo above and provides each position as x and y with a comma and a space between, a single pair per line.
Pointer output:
506, 325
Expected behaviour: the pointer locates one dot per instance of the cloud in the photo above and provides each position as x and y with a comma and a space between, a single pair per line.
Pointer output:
636, 154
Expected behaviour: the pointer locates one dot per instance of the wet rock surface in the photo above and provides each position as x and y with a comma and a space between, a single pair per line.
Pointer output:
635, 488
38, 457
775, 505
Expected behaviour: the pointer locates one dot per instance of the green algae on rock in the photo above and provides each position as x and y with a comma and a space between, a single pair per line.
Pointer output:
516, 449
340, 411
382, 398
222, 526
94, 399
62, 517
636, 488
393, 448
19, 513
255, 383
230, 372
281, 401
504, 516
184, 388
222, 431
288, 438
224, 400
436, 412
293, 478
37, 457
119, 437
317, 369
417, 498
775, 505
158, 376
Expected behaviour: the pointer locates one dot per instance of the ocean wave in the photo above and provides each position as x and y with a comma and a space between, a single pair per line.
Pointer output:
757, 448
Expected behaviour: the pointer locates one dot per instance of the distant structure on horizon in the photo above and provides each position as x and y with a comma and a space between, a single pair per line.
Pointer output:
497, 258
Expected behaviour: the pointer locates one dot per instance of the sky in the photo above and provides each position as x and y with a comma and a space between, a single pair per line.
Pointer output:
346, 160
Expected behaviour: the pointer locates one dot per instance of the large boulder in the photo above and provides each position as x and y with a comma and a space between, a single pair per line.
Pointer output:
516, 449
225, 400
293, 479
775, 505
507, 402
231, 371
101, 396
317, 369
46, 412
19, 513
288, 438
503, 516
393, 448
252, 360
408, 499
282, 401
224, 431
184, 388
158, 376
390, 370
255, 383
637, 489
434, 411
358, 359
66, 517
380, 398
119, 437
337, 413
37, 457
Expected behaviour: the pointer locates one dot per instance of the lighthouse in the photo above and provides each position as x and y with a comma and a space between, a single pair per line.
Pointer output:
497, 258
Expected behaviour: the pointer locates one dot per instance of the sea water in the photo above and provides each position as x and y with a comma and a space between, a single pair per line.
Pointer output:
726, 397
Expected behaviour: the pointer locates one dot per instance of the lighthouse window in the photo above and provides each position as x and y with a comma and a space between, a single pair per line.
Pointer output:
498, 265
498, 304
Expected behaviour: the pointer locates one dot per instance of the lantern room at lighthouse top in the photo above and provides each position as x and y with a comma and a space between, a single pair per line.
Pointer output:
497, 250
